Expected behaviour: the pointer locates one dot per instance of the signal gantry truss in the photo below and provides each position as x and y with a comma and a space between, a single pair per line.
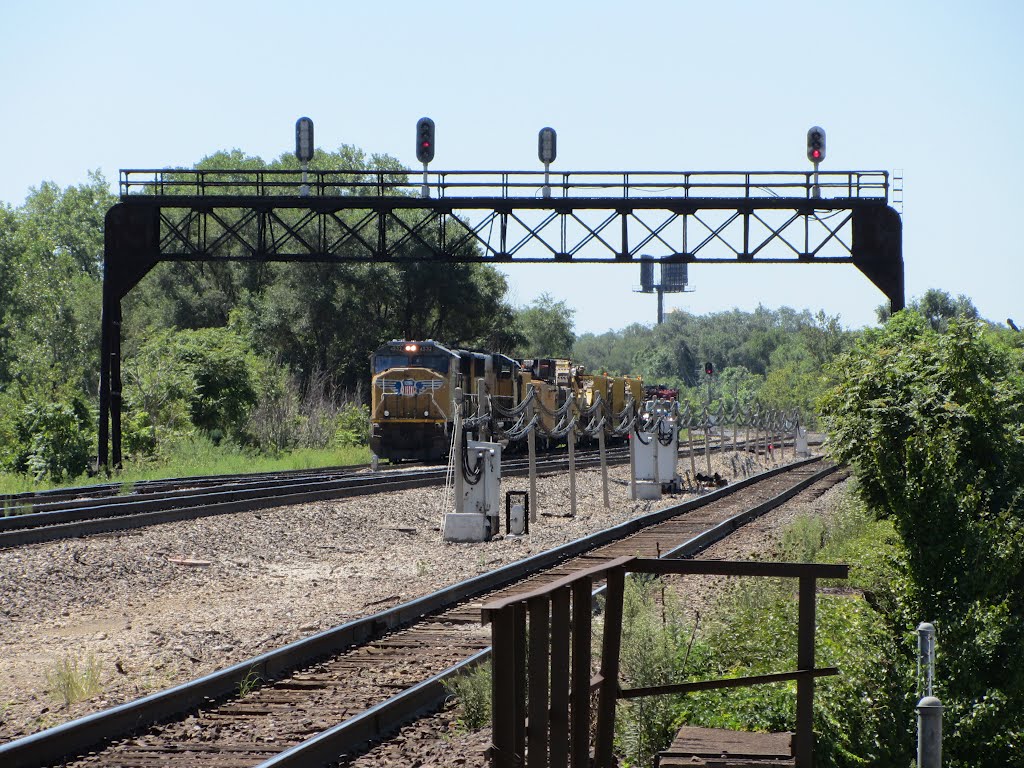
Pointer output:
496, 217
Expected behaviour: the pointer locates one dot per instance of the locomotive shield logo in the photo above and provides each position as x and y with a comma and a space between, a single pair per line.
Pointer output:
409, 387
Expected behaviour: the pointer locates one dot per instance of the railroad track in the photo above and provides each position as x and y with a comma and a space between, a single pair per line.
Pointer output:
63, 518
32, 518
358, 681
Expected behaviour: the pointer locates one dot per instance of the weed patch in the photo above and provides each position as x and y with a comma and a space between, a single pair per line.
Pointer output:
72, 681
472, 690
249, 683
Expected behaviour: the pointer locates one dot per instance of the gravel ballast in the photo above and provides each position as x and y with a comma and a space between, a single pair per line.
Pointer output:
163, 605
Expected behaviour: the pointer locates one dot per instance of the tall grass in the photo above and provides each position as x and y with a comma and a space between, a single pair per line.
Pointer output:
199, 456
72, 681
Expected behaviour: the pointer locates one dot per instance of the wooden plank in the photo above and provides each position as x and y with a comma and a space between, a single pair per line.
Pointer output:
692, 741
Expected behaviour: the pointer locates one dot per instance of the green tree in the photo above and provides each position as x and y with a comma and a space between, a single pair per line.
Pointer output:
204, 378
548, 327
48, 439
51, 250
329, 317
937, 307
934, 426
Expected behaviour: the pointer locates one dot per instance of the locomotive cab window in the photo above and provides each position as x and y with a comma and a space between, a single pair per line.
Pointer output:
434, 362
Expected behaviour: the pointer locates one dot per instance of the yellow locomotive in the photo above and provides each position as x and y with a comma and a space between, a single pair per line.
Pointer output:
412, 406
412, 402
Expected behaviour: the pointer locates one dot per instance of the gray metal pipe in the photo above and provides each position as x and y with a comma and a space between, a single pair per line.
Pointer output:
929, 733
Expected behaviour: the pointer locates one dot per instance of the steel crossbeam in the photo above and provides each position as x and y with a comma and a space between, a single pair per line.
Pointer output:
496, 217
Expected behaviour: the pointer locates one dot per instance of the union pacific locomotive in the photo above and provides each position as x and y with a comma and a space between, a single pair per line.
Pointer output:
412, 406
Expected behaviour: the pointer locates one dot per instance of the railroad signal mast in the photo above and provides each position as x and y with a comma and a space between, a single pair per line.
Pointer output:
816, 153
674, 279
425, 148
304, 150
546, 146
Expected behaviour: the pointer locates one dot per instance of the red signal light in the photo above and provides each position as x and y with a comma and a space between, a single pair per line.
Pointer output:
816, 144
425, 140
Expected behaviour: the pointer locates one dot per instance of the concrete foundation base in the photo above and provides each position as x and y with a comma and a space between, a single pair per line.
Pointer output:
466, 527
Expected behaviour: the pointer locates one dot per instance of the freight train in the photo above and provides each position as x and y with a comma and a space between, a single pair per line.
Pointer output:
412, 405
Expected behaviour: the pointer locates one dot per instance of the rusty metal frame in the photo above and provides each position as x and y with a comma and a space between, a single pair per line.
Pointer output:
560, 736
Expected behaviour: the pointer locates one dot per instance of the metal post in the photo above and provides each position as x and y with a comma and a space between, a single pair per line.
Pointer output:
531, 442
604, 466
116, 398
693, 461
804, 747
571, 442
425, 189
482, 410
632, 464
106, 332
929, 733
707, 443
457, 451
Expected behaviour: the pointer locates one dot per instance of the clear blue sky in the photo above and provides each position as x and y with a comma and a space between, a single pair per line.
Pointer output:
933, 88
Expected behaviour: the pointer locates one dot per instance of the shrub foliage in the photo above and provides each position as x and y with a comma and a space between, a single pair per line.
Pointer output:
933, 424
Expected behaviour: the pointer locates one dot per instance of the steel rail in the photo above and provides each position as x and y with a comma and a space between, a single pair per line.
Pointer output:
105, 516
90, 516
141, 486
84, 734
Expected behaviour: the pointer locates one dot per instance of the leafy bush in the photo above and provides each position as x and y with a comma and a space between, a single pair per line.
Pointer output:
934, 426
50, 439
864, 716
203, 378
655, 650
353, 426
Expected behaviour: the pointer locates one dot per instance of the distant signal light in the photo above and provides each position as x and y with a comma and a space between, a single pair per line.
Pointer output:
816, 144
425, 140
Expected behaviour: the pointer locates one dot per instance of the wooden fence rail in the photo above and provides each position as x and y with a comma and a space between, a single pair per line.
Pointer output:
541, 680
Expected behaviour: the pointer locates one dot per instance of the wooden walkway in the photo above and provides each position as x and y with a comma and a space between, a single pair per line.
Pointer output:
727, 749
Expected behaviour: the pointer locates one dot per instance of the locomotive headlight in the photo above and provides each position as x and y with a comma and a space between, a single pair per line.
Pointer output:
426, 413
411, 347
387, 413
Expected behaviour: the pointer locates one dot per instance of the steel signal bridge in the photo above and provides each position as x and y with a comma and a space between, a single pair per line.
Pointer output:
497, 217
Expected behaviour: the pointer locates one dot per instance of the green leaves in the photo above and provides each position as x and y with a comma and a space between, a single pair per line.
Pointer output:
547, 327
931, 422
